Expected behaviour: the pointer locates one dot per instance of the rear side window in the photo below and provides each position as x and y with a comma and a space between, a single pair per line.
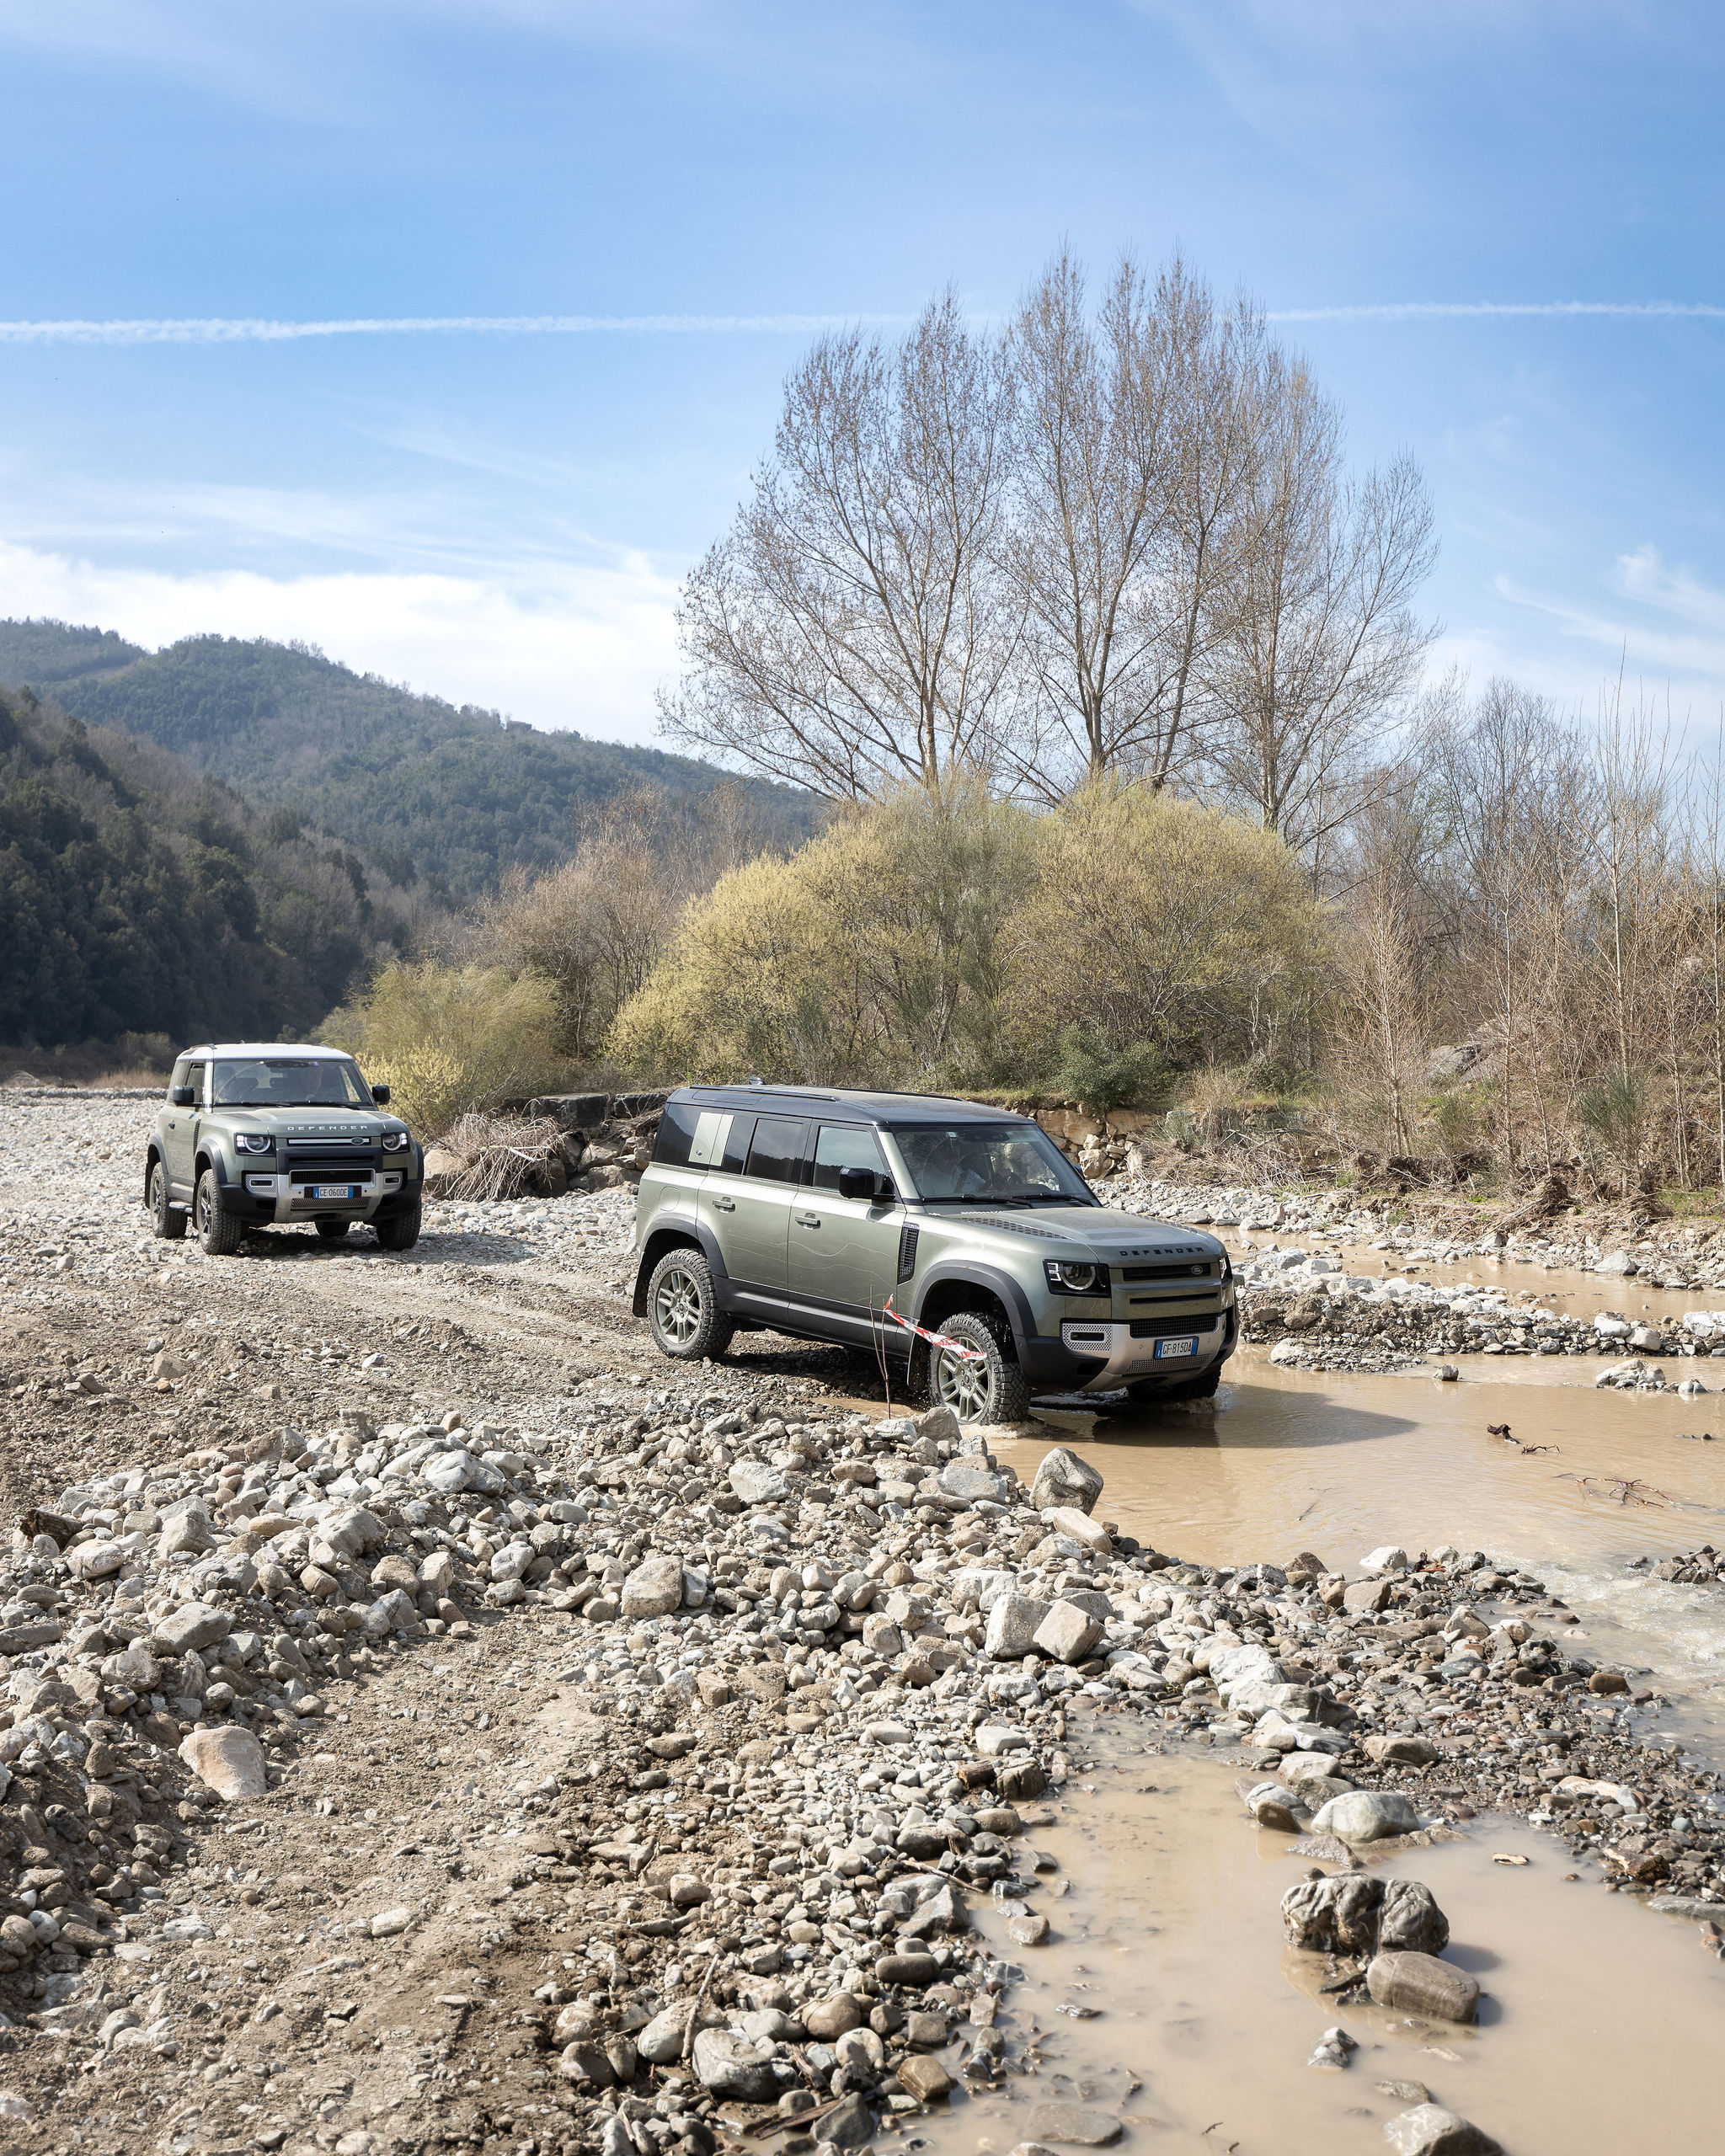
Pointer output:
676, 1128
844, 1145
776, 1154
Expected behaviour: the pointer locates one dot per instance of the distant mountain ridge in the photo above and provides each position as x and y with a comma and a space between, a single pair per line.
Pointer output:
453, 796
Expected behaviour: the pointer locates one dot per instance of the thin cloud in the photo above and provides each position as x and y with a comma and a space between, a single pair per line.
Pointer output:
1465, 310
260, 330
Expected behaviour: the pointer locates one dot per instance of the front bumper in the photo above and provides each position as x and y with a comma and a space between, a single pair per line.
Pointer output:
1103, 1355
377, 1194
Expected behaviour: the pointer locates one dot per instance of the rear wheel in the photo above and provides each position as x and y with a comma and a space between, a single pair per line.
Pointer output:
682, 1308
986, 1385
164, 1220
401, 1233
332, 1231
219, 1233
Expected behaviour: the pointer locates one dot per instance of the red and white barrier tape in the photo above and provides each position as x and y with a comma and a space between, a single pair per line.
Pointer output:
935, 1339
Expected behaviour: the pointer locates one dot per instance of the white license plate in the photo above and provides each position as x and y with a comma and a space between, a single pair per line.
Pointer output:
332, 1190
1167, 1350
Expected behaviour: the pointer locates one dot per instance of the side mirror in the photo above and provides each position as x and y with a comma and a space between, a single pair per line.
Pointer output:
381, 1095
865, 1183
182, 1096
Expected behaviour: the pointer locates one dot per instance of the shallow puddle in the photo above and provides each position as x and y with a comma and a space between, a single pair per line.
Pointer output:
1597, 2030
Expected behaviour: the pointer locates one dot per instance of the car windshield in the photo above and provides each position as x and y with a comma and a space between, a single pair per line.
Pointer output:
285, 1081
988, 1164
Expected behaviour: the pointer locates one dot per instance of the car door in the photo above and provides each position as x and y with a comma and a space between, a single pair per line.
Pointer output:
844, 1251
180, 1139
756, 1242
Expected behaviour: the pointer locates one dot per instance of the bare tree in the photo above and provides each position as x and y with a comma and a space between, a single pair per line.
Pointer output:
850, 632
1315, 646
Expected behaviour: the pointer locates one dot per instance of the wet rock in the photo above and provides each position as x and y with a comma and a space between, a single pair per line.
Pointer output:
1429, 2129
850, 2125
923, 2078
1360, 1912
1274, 1806
653, 1589
1020, 1780
1077, 2125
1304, 1768
1366, 1815
1388, 1559
1365, 1596
1333, 2051
1030, 1930
1420, 1983
1064, 1480
732, 2066
1404, 2092
914, 1970
230, 1760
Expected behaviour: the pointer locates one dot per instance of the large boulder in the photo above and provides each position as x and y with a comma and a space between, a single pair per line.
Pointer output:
1063, 1480
191, 1625
1067, 1633
230, 1760
1360, 1912
654, 1588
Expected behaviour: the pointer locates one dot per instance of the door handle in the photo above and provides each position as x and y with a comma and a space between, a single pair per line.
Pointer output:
808, 1220
725, 1204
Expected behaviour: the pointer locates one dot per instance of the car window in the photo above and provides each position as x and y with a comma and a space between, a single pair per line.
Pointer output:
1009, 1163
844, 1145
195, 1073
178, 1076
736, 1155
282, 1081
775, 1154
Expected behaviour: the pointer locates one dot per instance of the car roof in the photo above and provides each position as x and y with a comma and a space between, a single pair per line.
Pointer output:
843, 1102
298, 1049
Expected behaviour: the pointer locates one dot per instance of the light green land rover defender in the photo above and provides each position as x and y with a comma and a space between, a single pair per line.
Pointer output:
836, 1215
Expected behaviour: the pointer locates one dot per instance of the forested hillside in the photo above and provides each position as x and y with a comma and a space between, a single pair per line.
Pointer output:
452, 796
138, 895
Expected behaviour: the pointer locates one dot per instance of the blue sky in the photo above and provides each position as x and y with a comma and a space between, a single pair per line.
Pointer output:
504, 517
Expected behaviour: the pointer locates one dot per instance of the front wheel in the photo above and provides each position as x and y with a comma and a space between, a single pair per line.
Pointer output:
219, 1233
682, 1308
984, 1386
401, 1233
165, 1221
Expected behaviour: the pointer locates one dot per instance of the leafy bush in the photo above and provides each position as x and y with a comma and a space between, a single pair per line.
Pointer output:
1099, 1077
450, 1041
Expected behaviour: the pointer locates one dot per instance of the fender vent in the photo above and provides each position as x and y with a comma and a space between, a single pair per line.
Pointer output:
907, 1252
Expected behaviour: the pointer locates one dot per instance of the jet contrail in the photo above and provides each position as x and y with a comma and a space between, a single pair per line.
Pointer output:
1439, 310
260, 330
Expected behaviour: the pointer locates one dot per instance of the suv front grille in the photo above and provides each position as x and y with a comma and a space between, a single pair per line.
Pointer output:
1160, 1328
1206, 1271
354, 1168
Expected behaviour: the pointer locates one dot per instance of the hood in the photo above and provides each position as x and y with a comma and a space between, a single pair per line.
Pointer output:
1108, 1235
366, 1123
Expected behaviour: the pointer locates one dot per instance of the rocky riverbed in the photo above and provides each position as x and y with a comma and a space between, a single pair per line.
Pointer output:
430, 1722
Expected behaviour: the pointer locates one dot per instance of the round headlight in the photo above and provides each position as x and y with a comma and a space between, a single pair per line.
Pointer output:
253, 1141
1075, 1280
396, 1141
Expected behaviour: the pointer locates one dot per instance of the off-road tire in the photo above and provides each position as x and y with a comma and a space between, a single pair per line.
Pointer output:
220, 1234
1148, 1393
991, 1390
682, 1308
401, 1233
331, 1231
165, 1222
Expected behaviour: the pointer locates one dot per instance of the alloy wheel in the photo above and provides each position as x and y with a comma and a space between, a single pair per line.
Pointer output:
961, 1382
676, 1308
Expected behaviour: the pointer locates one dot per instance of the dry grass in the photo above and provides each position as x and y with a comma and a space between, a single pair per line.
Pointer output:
498, 1156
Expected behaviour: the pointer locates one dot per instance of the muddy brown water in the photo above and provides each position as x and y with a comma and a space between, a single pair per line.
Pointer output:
1599, 2027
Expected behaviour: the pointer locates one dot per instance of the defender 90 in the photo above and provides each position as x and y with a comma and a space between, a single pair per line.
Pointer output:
810, 1213
256, 1135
